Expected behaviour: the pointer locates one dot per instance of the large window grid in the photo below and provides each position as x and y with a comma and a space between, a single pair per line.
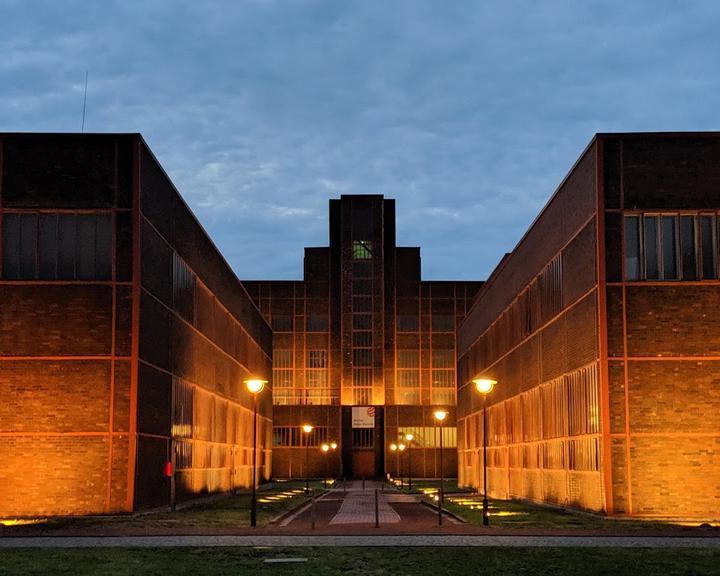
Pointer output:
671, 246
294, 437
57, 246
362, 324
429, 436
443, 377
407, 387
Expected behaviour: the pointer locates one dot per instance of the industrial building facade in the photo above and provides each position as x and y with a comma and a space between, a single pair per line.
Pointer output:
601, 329
364, 351
124, 336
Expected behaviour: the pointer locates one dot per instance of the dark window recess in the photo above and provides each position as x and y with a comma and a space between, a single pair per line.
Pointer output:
57, 246
183, 289
362, 287
362, 339
363, 437
443, 323
362, 357
671, 247
361, 304
282, 323
316, 323
632, 248
707, 241
362, 269
407, 323
688, 248
362, 322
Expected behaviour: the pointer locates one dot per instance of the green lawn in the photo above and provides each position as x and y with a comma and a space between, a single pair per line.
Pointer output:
361, 561
508, 513
229, 512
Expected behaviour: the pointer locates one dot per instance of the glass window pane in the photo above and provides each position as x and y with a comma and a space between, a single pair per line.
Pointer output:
632, 248
669, 243
652, 268
11, 246
687, 245
443, 323
708, 245
362, 321
103, 247
407, 323
48, 244
28, 246
86, 229
67, 239
362, 250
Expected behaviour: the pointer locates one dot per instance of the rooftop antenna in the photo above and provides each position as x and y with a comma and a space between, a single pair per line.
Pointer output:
82, 127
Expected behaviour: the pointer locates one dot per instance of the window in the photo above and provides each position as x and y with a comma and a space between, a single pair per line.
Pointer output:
363, 437
632, 248
57, 246
362, 287
429, 436
317, 359
282, 323
183, 288
361, 304
407, 323
362, 321
671, 247
316, 323
293, 436
362, 357
282, 369
362, 339
361, 250
443, 323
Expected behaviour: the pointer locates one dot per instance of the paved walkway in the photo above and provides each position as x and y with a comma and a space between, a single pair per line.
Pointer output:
330, 540
358, 507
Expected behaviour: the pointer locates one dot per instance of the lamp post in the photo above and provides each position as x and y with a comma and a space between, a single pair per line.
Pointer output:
254, 386
440, 416
393, 448
401, 449
307, 428
325, 449
409, 438
484, 386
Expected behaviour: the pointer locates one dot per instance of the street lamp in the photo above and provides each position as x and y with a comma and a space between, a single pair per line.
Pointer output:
409, 438
484, 386
254, 386
326, 450
401, 449
307, 428
393, 448
440, 416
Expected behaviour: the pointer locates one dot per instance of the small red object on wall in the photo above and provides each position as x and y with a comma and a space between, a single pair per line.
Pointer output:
168, 469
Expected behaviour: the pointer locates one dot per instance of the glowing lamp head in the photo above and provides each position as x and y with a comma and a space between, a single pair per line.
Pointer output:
255, 385
333, 445
401, 447
307, 428
325, 447
484, 385
409, 437
393, 447
440, 415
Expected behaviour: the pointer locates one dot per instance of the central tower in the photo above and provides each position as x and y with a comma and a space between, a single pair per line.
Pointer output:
363, 351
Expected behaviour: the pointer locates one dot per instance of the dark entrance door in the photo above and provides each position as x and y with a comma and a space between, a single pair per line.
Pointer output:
362, 441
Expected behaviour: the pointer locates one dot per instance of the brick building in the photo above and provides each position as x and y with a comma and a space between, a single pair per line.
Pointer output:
362, 331
601, 330
124, 335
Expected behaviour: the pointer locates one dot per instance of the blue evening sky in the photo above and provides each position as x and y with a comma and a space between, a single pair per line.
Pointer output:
468, 113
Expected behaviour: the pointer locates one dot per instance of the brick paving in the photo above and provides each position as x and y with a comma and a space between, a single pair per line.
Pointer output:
358, 506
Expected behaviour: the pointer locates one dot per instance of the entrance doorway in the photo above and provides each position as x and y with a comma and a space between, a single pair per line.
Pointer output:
362, 441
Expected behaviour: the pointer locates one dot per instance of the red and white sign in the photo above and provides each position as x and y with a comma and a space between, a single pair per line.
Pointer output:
363, 417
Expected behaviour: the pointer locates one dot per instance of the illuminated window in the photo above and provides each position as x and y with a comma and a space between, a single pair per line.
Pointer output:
429, 436
57, 246
317, 359
362, 250
293, 436
363, 437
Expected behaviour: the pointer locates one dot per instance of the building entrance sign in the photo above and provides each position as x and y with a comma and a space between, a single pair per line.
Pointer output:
363, 417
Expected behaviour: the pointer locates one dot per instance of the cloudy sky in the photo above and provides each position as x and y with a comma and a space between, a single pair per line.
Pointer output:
469, 113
